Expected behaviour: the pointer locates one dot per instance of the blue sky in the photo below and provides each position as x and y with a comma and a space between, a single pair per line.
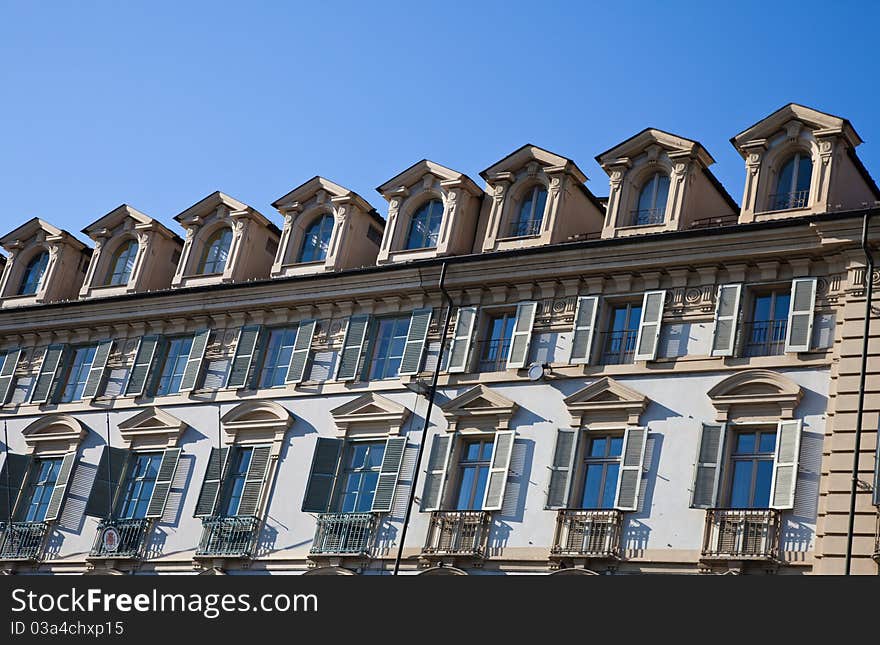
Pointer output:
157, 104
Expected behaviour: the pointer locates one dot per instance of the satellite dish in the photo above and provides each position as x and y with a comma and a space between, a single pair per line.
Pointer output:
536, 371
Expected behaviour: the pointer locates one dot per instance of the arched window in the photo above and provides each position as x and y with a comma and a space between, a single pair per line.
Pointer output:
317, 240
651, 208
531, 213
793, 184
33, 274
424, 227
122, 264
216, 252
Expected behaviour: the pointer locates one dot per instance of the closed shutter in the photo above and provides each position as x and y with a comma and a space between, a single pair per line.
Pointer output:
649, 325
12, 476
162, 487
563, 468
96, 372
60, 490
726, 319
629, 477
7, 373
299, 357
245, 350
218, 462
110, 470
785, 464
707, 470
419, 322
322, 478
521, 340
53, 359
143, 366
438, 464
193, 368
502, 450
388, 474
462, 337
800, 315
254, 481
584, 327
352, 347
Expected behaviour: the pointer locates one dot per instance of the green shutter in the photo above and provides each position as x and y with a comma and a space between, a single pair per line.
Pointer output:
562, 470
299, 357
142, 367
502, 450
96, 371
12, 477
193, 368
726, 319
629, 476
65, 473
584, 329
106, 484
389, 473
7, 373
521, 339
419, 322
649, 325
254, 481
245, 351
53, 359
707, 469
322, 478
799, 332
162, 487
214, 474
462, 337
352, 347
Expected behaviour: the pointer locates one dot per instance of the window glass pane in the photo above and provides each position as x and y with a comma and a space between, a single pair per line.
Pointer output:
598, 447
805, 170
316, 240
216, 252
425, 225
33, 274
780, 310
783, 185
78, 374
615, 447
39, 491
140, 481
122, 263
635, 315
768, 442
618, 319
176, 356
610, 485
486, 452
745, 443
646, 196
763, 476
592, 486
662, 193
741, 484
480, 488
762, 308
472, 452
377, 452
389, 341
235, 481
466, 487
368, 490
358, 455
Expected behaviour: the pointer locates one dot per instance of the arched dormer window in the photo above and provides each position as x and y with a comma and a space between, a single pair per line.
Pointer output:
531, 213
651, 207
33, 274
121, 264
793, 183
317, 240
216, 252
424, 227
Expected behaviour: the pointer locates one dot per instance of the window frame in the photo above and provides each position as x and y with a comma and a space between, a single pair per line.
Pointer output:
131, 480
46, 487
745, 327
794, 158
279, 367
84, 371
531, 193
430, 216
121, 250
729, 458
487, 442
609, 307
653, 182
583, 460
319, 221
369, 355
36, 259
215, 238
345, 472
167, 344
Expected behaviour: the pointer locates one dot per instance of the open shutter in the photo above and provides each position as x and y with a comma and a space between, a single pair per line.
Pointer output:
649, 325
254, 481
193, 368
96, 371
299, 357
163, 482
521, 340
799, 332
388, 474
876, 495
707, 471
502, 449
462, 337
143, 366
53, 358
352, 347
211, 484
563, 467
60, 491
629, 477
785, 464
245, 350
110, 470
584, 327
438, 464
322, 478
7, 373
12, 476
726, 319
419, 322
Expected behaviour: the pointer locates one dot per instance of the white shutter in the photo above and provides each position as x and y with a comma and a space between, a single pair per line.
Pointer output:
518, 354
7, 373
562, 470
419, 322
785, 464
800, 315
462, 337
707, 469
649, 325
193, 368
53, 510
299, 357
502, 449
53, 359
726, 319
438, 466
584, 328
245, 350
629, 476
389, 473
162, 487
352, 348
143, 365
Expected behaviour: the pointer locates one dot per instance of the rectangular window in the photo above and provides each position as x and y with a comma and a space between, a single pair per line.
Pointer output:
173, 365
139, 483
619, 341
78, 373
473, 473
751, 468
764, 333
44, 475
494, 349
235, 479
363, 462
601, 468
276, 357
386, 348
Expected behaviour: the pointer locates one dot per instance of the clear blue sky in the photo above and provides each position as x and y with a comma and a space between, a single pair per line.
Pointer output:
158, 104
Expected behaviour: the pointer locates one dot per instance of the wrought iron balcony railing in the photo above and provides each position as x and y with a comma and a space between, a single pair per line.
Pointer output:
763, 338
118, 538
493, 354
587, 533
228, 537
343, 534
525, 228
647, 216
793, 199
462, 533
619, 347
22, 540
741, 534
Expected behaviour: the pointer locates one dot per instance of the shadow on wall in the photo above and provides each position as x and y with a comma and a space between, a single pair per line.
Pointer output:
513, 505
179, 486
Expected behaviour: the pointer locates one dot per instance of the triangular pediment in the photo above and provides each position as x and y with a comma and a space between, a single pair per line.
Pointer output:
416, 173
153, 425
812, 119
312, 188
124, 217
479, 403
36, 227
527, 154
606, 391
643, 141
368, 407
206, 207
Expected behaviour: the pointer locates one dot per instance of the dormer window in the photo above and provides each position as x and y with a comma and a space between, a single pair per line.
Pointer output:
531, 213
33, 274
424, 226
316, 240
793, 183
122, 264
651, 208
216, 252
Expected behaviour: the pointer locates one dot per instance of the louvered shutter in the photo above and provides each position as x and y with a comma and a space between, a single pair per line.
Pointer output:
584, 328
876, 495
162, 487
352, 347
245, 350
96, 371
12, 476
110, 469
193, 368
521, 339
462, 337
299, 357
629, 476
254, 481
143, 366
56, 500
53, 359
785, 464
419, 322
388, 474
649, 325
707, 470
438, 464
563, 468
322, 478
799, 332
7, 373
502, 449
726, 319
218, 462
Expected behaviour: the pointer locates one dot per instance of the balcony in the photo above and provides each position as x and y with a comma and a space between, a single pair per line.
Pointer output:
525, 228
787, 201
587, 534
619, 347
22, 541
493, 354
120, 539
457, 533
741, 534
228, 537
647, 216
763, 338
343, 534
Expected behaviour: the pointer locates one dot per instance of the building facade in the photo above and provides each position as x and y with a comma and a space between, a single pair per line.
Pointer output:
519, 378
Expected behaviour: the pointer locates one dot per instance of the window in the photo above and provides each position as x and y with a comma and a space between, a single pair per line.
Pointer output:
494, 350
531, 213
139, 483
33, 274
651, 208
216, 252
619, 342
601, 467
176, 356
389, 341
751, 468
122, 263
793, 183
360, 476
276, 358
44, 474
473, 473
241, 461
424, 227
764, 334
316, 240
78, 374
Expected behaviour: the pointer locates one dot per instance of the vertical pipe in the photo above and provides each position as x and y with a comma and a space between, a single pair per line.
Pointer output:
109, 470
6, 466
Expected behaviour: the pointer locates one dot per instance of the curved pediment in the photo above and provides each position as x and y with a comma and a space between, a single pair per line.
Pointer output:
755, 394
606, 401
258, 421
54, 433
370, 411
154, 427
477, 407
